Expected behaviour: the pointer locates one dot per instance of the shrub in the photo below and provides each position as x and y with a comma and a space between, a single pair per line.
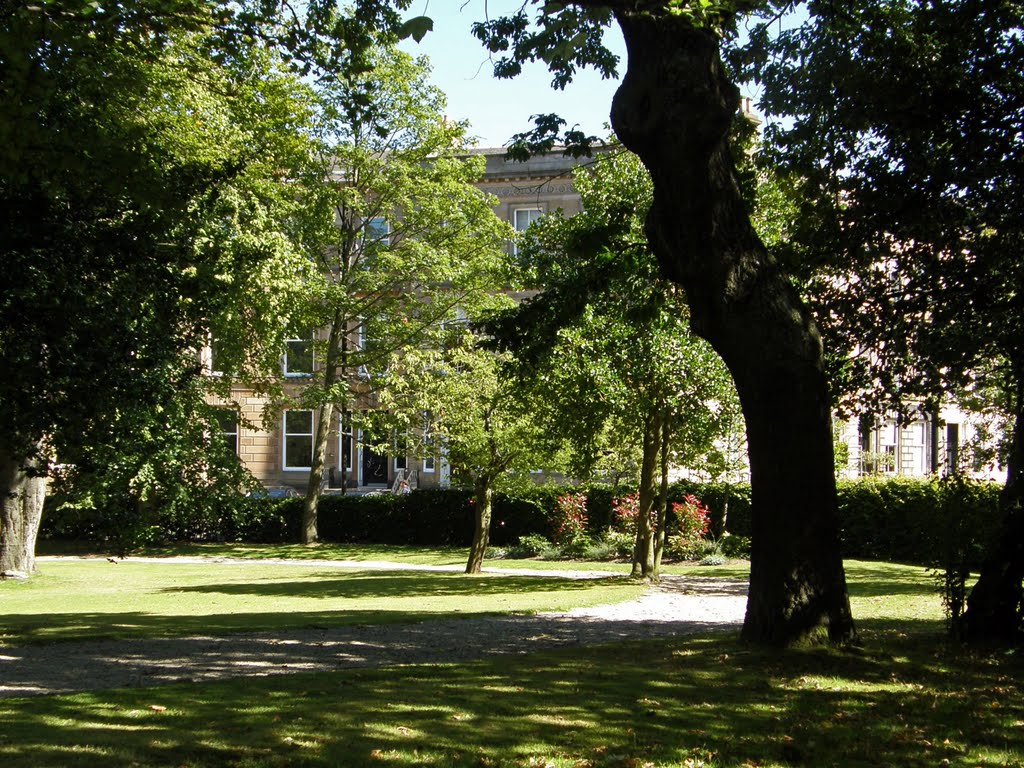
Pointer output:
600, 550
531, 545
625, 512
570, 521
693, 519
712, 560
920, 521
735, 546
621, 543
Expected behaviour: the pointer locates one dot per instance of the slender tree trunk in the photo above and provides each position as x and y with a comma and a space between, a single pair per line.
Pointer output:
325, 415
482, 496
314, 487
660, 534
995, 607
674, 109
643, 550
24, 487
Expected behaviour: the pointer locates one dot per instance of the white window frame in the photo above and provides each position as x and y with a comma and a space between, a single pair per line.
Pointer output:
400, 452
429, 461
345, 431
312, 358
207, 358
533, 209
285, 434
223, 433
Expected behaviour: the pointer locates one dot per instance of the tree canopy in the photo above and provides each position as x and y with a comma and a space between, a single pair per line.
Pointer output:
606, 343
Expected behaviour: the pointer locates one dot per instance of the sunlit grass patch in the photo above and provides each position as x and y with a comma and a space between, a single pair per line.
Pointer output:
89, 599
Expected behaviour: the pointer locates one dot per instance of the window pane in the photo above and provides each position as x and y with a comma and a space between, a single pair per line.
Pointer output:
298, 359
216, 366
298, 451
377, 231
227, 420
300, 422
524, 217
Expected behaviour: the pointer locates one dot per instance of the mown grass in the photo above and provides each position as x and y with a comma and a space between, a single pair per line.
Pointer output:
93, 598
707, 701
903, 699
406, 555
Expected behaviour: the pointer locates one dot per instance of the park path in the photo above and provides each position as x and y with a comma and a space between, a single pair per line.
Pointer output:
678, 605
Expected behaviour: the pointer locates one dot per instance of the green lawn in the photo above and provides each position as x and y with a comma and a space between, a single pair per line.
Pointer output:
93, 598
903, 699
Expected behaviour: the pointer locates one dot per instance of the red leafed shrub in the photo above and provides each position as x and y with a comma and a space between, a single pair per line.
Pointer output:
694, 519
570, 521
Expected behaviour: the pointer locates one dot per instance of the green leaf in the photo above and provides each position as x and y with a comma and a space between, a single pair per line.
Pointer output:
416, 28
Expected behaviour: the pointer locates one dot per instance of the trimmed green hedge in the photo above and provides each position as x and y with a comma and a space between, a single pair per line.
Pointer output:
894, 519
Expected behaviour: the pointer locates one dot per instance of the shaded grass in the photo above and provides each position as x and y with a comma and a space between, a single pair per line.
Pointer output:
687, 702
905, 699
91, 599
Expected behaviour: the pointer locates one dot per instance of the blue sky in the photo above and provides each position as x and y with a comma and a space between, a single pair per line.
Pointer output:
499, 108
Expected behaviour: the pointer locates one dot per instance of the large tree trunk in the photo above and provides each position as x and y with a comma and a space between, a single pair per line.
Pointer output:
674, 109
482, 497
995, 607
23, 483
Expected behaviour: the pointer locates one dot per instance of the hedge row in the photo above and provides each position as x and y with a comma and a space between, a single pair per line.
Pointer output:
897, 519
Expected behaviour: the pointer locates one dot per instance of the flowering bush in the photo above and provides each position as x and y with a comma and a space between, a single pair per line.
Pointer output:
570, 519
694, 520
625, 510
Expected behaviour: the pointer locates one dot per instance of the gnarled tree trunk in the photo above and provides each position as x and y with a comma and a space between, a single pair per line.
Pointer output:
674, 109
23, 484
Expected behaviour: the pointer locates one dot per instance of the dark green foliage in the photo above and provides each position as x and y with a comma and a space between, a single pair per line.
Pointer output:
926, 522
908, 520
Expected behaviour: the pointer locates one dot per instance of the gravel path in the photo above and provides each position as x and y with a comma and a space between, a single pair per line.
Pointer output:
679, 605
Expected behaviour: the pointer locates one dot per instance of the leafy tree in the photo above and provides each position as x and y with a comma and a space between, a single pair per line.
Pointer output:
674, 110
485, 421
902, 133
395, 239
131, 162
609, 344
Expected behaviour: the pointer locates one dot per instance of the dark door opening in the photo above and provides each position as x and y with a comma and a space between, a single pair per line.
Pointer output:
375, 465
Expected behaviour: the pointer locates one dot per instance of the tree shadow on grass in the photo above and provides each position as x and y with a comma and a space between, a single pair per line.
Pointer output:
904, 703
383, 584
27, 670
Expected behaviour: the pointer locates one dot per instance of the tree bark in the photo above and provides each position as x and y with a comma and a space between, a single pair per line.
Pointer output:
662, 503
674, 110
314, 486
482, 496
325, 416
995, 606
643, 549
24, 489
